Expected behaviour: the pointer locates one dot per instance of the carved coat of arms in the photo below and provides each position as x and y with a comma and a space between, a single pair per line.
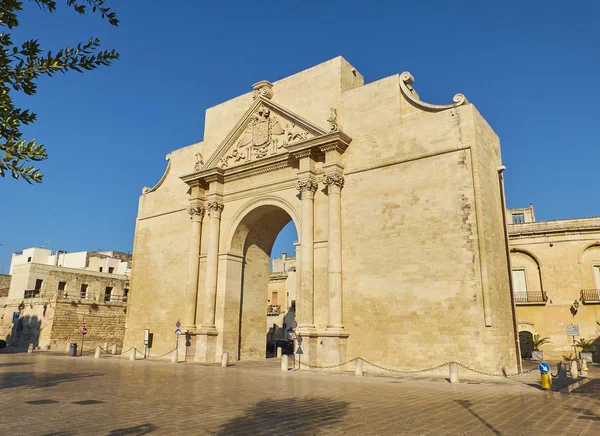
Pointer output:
264, 135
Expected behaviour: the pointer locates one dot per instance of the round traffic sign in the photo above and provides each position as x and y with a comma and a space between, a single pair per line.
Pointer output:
544, 368
177, 332
294, 324
84, 331
177, 324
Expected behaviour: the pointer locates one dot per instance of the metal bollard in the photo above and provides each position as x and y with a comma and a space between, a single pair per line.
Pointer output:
453, 372
97, 353
358, 367
132, 355
285, 366
114, 349
546, 381
174, 357
30, 348
279, 352
224, 359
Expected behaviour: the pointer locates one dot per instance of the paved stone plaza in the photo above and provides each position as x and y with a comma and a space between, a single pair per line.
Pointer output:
42, 394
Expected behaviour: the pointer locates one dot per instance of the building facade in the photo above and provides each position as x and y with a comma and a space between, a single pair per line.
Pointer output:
51, 295
556, 279
281, 303
402, 256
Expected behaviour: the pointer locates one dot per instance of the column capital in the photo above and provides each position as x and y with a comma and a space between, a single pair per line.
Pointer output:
214, 209
333, 179
196, 210
307, 187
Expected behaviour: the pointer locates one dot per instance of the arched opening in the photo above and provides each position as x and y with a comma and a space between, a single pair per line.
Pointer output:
253, 240
281, 303
525, 338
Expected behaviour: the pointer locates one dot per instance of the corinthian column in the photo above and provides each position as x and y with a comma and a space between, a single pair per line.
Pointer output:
305, 306
212, 259
196, 211
334, 183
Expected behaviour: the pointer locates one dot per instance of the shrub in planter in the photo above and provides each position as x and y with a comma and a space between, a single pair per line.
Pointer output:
536, 342
586, 349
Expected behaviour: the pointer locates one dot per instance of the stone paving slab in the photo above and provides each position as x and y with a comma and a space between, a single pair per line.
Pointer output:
54, 395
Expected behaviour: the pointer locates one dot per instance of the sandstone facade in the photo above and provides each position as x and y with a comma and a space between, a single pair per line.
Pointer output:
556, 280
402, 257
52, 301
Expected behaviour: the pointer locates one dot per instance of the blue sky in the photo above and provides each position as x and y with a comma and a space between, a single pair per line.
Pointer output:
529, 67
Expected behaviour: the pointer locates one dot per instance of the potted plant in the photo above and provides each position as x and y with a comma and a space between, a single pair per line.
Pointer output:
536, 342
586, 349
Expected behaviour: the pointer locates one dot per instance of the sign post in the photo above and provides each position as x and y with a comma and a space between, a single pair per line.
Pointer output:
573, 330
177, 333
83, 333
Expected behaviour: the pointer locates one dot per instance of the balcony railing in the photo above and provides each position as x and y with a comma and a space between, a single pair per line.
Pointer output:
531, 298
590, 296
273, 310
90, 297
115, 298
31, 293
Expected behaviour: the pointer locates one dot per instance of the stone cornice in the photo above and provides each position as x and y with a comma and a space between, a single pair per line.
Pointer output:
542, 228
335, 140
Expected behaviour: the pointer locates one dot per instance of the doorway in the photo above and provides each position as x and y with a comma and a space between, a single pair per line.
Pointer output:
254, 239
525, 339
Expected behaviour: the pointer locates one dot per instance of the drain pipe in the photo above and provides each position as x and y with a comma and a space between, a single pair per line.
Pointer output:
501, 170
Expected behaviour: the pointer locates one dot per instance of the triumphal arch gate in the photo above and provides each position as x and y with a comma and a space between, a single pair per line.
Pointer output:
396, 202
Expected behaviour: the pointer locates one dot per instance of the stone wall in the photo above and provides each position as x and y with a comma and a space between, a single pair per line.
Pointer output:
105, 323
4, 285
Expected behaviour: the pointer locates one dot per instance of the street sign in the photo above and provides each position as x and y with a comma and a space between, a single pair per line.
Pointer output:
300, 339
15, 315
177, 331
294, 324
177, 324
544, 368
299, 350
293, 336
83, 330
572, 330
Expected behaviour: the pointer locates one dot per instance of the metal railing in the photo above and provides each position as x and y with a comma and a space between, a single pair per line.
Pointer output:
531, 298
115, 298
273, 309
31, 293
590, 296
90, 297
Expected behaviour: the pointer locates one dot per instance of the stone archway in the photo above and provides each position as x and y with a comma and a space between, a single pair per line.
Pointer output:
252, 240
265, 174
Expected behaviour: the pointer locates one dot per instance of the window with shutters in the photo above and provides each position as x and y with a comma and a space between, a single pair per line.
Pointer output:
519, 285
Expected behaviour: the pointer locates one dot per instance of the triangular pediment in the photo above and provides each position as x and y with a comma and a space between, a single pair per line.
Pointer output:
265, 130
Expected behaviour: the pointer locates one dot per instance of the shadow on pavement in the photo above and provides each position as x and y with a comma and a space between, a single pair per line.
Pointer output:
292, 416
138, 430
4, 365
585, 414
467, 405
591, 388
39, 380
